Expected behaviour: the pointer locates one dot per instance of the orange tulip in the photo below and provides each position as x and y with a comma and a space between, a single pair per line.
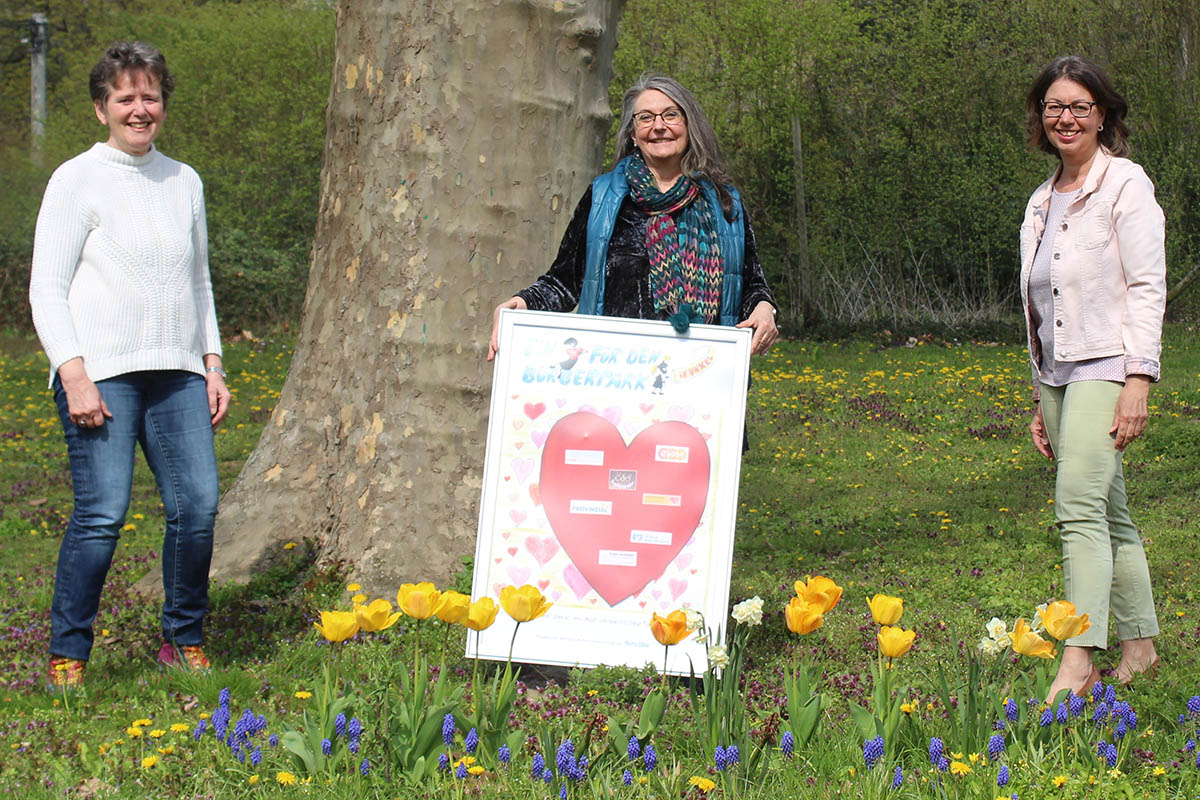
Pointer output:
803, 617
821, 592
1028, 643
481, 614
1061, 621
418, 600
524, 603
671, 629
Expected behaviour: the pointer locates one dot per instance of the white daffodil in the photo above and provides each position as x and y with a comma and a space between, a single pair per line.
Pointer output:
718, 657
749, 612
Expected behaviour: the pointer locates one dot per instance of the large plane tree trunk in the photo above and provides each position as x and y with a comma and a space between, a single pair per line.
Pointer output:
459, 135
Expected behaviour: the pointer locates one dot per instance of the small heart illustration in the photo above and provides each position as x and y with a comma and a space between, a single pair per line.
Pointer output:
677, 586
512, 496
512, 551
587, 409
693, 571
498, 560
683, 560
656, 593
535, 494
706, 436
522, 466
506, 534
543, 584
706, 417
542, 548
557, 595
680, 413
517, 423
642, 603
534, 410
575, 580
560, 401
518, 445
515, 396
539, 438
517, 517
613, 414
518, 575
496, 587
646, 407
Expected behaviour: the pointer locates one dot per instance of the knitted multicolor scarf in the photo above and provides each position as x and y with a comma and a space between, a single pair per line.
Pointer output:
685, 257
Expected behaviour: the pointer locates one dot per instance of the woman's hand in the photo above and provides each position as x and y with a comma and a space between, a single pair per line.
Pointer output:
219, 395
1037, 427
762, 320
512, 302
1131, 414
85, 406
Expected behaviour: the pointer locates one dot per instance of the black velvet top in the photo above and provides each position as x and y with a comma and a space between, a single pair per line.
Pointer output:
627, 272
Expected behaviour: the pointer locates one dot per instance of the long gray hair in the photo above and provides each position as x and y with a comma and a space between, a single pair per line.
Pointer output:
703, 157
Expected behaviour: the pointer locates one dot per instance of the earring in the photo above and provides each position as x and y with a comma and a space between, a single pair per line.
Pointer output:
1101, 128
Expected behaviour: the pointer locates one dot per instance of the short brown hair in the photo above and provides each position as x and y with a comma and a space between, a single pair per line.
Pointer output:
123, 57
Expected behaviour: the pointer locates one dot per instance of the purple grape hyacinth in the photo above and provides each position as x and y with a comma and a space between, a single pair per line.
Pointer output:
872, 751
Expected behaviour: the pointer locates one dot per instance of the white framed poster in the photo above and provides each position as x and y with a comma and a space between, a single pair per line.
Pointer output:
610, 482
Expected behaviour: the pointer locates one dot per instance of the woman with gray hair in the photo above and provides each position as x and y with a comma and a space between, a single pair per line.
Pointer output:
664, 235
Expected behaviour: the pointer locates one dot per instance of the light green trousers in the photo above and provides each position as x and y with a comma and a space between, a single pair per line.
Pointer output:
1104, 565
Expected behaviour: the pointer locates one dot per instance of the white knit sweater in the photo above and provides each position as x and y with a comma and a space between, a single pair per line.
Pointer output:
120, 266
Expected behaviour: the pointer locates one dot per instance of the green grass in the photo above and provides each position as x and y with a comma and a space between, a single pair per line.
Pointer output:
903, 470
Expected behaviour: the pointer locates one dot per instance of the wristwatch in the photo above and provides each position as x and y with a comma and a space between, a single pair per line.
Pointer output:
217, 370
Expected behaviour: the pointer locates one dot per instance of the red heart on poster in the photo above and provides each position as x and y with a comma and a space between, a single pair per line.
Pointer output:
623, 512
534, 410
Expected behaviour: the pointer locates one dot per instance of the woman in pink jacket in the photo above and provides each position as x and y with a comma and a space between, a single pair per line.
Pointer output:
1093, 275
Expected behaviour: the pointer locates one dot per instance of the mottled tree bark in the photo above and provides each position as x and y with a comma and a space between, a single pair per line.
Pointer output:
459, 135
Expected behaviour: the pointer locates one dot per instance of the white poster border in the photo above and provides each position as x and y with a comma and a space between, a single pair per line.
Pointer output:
587, 634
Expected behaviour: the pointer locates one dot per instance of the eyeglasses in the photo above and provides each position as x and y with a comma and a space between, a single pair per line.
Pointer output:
644, 119
1080, 109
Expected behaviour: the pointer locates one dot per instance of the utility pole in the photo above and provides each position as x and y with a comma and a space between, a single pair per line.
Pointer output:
38, 45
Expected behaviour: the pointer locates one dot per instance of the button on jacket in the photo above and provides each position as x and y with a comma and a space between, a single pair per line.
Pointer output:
1107, 271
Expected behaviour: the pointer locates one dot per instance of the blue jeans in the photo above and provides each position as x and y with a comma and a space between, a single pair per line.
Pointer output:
166, 412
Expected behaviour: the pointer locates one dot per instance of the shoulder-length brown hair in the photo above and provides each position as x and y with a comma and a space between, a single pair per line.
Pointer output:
1092, 77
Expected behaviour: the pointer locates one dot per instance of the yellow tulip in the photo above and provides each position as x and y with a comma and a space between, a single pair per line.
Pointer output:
803, 617
337, 626
418, 600
481, 614
1061, 621
895, 641
376, 615
452, 607
1028, 643
524, 603
886, 609
821, 592
671, 629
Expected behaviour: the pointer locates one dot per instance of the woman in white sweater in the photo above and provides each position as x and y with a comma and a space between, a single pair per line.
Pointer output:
123, 306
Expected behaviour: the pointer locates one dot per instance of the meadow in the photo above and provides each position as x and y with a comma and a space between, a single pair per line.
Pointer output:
891, 467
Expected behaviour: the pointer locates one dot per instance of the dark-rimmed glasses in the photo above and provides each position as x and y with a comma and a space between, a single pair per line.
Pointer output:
1080, 109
